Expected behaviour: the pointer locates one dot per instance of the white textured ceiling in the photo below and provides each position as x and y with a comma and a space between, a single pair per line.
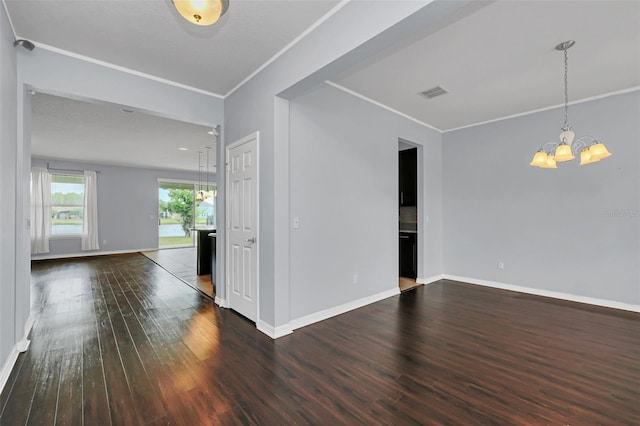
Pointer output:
500, 60
67, 129
150, 36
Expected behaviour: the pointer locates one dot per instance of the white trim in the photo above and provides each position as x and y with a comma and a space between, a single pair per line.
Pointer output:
430, 280
547, 293
23, 344
273, 332
13, 29
295, 41
5, 372
124, 69
579, 101
93, 253
185, 181
221, 302
381, 105
341, 309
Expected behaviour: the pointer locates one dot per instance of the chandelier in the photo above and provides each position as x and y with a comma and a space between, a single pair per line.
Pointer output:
591, 150
201, 12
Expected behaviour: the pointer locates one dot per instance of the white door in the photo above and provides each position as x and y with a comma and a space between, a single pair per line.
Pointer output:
242, 226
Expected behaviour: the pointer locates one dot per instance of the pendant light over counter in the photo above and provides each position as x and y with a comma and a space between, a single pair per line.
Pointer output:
201, 12
204, 192
591, 150
199, 193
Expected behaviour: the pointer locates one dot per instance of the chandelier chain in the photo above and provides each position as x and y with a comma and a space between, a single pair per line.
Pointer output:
566, 90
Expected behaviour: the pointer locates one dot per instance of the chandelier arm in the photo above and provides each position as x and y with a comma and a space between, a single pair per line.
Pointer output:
555, 144
582, 143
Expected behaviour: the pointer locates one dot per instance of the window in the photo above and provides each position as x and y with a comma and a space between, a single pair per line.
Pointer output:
67, 204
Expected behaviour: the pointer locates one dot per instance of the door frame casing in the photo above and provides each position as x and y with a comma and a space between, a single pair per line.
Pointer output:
227, 252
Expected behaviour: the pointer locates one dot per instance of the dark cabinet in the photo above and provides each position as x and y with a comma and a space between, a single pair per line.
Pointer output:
408, 255
408, 177
203, 253
212, 238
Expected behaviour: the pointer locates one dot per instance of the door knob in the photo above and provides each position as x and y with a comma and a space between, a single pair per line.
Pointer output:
251, 240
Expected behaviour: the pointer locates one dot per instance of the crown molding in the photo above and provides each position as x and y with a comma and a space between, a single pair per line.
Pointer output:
295, 41
381, 105
124, 69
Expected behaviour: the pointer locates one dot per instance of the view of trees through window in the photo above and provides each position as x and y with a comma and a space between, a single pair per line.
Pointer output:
67, 204
178, 212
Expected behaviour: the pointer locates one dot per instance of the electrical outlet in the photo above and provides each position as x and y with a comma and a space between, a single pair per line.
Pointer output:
104, 242
296, 223
500, 264
355, 278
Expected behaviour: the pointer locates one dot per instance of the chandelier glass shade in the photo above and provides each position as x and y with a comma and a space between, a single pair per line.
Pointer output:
590, 149
201, 12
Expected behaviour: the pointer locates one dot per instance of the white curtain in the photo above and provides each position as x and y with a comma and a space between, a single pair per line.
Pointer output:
40, 210
90, 223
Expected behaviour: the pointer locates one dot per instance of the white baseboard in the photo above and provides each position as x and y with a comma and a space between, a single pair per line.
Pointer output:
430, 280
5, 372
273, 332
19, 347
29, 325
341, 309
23, 344
89, 253
547, 293
221, 302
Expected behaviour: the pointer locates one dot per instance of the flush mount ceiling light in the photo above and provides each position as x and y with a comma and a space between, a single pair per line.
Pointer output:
201, 12
591, 150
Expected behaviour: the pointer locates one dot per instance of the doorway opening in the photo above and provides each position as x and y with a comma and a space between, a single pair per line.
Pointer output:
176, 213
407, 215
180, 211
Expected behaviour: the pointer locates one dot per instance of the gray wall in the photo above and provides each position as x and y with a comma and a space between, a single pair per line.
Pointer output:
362, 28
8, 158
57, 74
344, 190
573, 230
127, 207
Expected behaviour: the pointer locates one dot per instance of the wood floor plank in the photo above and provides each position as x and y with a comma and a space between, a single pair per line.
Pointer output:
121, 341
69, 409
15, 395
45, 396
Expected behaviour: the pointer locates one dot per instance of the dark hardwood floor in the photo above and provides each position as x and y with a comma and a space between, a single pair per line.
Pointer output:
118, 342
181, 262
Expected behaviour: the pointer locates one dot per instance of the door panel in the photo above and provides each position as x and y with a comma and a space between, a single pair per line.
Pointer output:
242, 228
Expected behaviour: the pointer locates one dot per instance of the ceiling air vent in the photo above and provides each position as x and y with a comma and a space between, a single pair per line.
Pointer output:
433, 92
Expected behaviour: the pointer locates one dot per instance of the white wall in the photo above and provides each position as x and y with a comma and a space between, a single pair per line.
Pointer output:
573, 230
344, 190
8, 159
127, 207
